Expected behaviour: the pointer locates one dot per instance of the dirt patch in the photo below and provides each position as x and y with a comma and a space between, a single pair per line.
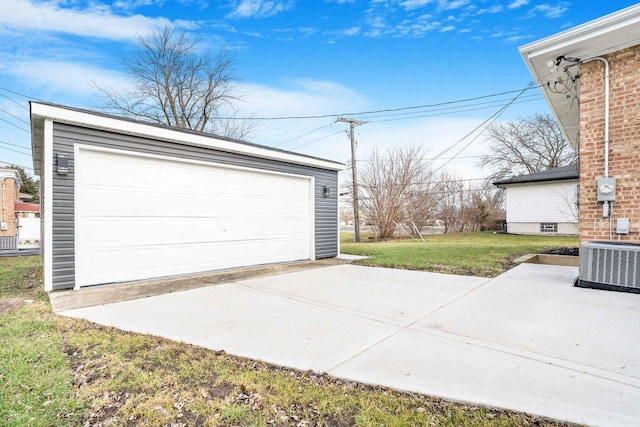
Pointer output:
8, 304
562, 251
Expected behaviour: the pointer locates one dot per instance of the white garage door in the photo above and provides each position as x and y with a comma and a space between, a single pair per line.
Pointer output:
144, 217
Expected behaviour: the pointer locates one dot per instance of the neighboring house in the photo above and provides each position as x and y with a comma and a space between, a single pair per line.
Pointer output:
542, 203
590, 77
124, 200
28, 220
8, 223
26, 210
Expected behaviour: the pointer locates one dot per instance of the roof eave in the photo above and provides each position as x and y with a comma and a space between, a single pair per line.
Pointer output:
600, 37
42, 111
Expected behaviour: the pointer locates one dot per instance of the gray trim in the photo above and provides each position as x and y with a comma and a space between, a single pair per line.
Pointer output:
65, 136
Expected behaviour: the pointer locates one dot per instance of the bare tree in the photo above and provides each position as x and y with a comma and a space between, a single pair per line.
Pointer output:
451, 192
389, 182
484, 207
527, 146
178, 85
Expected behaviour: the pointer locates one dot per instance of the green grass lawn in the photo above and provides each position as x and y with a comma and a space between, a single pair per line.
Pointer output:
478, 254
59, 371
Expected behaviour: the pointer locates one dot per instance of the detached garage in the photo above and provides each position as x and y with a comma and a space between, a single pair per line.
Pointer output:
124, 200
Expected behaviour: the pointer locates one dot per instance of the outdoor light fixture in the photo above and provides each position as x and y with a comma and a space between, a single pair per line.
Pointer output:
554, 64
326, 191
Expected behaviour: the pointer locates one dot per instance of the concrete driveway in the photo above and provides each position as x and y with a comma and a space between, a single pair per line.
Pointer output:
526, 340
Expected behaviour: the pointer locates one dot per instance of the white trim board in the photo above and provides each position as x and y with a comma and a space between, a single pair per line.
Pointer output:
87, 119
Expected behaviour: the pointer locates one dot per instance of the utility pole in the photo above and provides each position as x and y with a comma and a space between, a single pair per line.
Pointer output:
356, 208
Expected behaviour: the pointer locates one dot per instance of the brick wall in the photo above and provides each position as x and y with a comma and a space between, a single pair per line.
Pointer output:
8, 207
624, 143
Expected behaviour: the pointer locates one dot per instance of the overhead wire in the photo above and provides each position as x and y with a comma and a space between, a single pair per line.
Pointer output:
386, 110
15, 145
14, 116
447, 109
16, 151
316, 140
15, 164
14, 125
303, 135
484, 125
14, 101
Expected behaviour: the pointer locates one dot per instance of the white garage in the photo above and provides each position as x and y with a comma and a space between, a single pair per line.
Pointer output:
126, 201
150, 217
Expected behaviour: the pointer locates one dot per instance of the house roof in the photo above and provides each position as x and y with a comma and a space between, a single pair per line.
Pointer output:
26, 207
563, 173
597, 38
42, 111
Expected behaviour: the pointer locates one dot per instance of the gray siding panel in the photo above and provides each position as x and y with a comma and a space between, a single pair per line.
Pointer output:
65, 136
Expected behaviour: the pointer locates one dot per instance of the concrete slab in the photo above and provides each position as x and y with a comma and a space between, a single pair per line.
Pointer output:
471, 371
398, 297
535, 308
526, 340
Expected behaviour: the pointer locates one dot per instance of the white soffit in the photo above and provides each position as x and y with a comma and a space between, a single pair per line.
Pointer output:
109, 123
600, 37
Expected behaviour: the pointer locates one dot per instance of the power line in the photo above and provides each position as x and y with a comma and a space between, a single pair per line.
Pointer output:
484, 124
15, 164
316, 140
15, 145
443, 113
19, 94
15, 102
14, 125
389, 110
303, 135
17, 151
15, 117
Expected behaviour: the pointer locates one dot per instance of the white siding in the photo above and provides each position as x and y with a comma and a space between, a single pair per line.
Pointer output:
542, 202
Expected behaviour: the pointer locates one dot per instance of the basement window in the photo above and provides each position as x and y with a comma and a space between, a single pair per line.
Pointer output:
548, 227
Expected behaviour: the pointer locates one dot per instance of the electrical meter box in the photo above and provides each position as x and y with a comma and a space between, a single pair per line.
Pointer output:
622, 226
606, 189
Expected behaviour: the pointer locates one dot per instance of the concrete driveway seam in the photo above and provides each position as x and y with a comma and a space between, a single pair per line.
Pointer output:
413, 322
596, 373
353, 312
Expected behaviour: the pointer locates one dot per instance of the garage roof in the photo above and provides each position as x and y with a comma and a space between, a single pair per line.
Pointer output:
563, 173
41, 111
600, 37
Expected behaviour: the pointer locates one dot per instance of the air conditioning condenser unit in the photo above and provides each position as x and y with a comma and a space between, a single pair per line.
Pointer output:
610, 265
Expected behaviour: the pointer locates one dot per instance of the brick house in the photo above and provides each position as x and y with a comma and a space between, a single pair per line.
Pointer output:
590, 77
8, 223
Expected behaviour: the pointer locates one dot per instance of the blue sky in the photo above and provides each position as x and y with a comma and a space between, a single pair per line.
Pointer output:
301, 58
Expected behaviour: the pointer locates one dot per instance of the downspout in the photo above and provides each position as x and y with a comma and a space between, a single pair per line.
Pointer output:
609, 208
606, 112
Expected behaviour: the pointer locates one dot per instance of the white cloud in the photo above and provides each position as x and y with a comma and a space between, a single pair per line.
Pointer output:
452, 4
59, 77
97, 20
133, 4
493, 9
414, 4
549, 11
517, 3
260, 8
323, 137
